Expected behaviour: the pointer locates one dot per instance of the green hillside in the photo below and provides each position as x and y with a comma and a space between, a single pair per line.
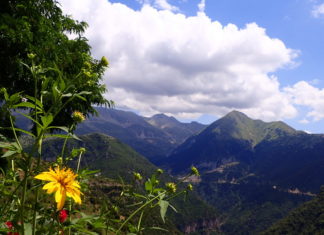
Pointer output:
307, 219
116, 160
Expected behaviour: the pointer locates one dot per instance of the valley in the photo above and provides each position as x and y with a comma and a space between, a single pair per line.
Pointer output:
252, 172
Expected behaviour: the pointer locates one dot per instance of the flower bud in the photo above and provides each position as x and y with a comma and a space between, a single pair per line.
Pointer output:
137, 176
63, 214
78, 116
31, 56
172, 187
194, 171
59, 160
104, 61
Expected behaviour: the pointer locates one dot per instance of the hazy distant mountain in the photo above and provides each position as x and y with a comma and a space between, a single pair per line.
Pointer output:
146, 135
254, 171
177, 130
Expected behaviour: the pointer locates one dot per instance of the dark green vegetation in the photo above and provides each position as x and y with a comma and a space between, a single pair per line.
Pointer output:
118, 161
307, 219
39, 27
153, 137
254, 172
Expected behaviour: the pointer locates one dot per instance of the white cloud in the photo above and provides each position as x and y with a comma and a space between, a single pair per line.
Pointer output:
161, 61
164, 5
303, 93
304, 121
159, 4
201, 6
318, 10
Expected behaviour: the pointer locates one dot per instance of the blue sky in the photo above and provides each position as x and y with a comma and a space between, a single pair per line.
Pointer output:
198, 60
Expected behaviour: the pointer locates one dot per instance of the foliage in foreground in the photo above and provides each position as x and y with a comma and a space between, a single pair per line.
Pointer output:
26, 209
39, 26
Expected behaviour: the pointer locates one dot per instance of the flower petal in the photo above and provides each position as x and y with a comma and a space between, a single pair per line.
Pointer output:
60, 197
47, 176
51, 187
75, 195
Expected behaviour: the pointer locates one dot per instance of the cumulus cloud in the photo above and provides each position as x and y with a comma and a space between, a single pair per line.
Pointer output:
318, 10
161, 61
303, 93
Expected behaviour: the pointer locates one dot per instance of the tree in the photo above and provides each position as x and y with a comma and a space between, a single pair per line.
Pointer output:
39, 29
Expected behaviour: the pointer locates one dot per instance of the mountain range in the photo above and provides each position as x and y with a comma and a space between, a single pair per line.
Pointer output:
153, 137
253, 172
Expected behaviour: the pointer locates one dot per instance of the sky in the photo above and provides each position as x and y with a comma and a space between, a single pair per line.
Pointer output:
197, 60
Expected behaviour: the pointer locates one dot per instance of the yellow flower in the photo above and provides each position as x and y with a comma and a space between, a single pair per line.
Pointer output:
63, 183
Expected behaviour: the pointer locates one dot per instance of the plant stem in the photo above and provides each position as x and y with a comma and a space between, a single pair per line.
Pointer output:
63, 150
136, 211
39, 147
23, 197
79, 161
14, 131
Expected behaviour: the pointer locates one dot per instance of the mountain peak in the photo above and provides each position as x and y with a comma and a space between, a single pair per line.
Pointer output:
238, 125
236, 113
162, 116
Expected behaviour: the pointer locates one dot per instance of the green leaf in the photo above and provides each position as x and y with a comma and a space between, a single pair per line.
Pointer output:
27, 105
9, 153
58, 136
163, 208
29, 117
85, 93
75, 152
158, 228
148, 185
5, 145
24, 131
139, 195
47, 120
28, 228
99, 224
75, 137
80, 97
67, 95
5, 93
14, 98
173, 208
63, 128
37, 101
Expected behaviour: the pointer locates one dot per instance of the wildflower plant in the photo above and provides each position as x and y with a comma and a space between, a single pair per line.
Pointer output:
27, 182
